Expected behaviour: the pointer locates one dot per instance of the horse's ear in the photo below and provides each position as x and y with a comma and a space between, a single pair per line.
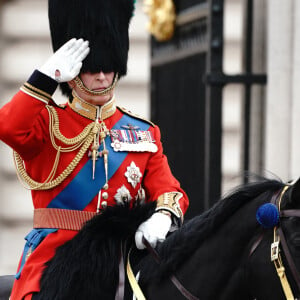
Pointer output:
295, 191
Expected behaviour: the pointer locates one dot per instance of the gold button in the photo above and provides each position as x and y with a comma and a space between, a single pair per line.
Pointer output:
104, 204
105, 187
105, 195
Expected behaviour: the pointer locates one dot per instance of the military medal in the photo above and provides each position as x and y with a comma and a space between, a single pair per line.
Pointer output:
123, 195
130, 127
133, 174
132, 139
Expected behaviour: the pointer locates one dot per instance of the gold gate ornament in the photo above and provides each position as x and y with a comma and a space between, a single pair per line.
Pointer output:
162, 18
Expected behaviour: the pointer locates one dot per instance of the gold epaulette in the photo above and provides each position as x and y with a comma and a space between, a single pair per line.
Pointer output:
128, 112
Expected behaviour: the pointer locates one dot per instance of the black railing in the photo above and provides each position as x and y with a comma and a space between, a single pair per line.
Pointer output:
186, 96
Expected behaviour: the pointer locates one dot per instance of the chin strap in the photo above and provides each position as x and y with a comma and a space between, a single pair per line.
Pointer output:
87, 91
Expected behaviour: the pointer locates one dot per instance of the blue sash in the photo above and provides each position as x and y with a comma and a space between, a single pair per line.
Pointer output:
82, 189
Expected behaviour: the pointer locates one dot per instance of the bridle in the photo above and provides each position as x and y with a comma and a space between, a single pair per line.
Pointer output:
174, 279
279, 238
136, 288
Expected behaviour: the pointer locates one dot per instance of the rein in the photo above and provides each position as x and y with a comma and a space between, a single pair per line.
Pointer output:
275, 252
175, 281
136, 288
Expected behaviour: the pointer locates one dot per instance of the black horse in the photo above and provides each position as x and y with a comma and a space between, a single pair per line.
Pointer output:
225, 253
222, 254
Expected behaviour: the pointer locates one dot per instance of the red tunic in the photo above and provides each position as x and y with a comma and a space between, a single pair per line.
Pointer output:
24, 126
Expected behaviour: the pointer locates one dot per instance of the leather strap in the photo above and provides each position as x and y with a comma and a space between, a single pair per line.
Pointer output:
175, 281
275, 254
256, 244
133, 282
288, 257
61, 218
283, 279
286, 214
290, 213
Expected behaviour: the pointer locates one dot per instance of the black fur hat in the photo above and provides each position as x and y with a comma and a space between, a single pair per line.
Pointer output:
104, 23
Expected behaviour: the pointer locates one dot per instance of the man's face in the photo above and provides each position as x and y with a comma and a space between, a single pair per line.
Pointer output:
95, 82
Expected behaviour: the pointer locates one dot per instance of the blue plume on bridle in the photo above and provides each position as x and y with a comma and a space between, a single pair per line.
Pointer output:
267, 215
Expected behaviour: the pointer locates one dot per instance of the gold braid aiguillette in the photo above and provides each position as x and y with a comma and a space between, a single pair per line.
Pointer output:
83, 140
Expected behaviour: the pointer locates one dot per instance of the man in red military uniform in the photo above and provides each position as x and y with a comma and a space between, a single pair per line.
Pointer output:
88, 154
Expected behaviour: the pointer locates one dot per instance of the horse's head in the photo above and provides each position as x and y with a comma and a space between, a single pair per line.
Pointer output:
287, 234
274, 266
290, 219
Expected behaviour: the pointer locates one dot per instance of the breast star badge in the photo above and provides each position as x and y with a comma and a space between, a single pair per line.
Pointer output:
133, 174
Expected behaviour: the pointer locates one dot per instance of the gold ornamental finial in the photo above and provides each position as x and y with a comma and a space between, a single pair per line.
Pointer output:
162, 18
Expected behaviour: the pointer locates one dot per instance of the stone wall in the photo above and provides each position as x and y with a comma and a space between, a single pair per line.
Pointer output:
282, 151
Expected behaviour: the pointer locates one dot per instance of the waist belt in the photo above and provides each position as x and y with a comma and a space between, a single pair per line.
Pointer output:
61, 218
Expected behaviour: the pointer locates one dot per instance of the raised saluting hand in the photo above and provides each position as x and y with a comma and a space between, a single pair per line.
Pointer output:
65, 64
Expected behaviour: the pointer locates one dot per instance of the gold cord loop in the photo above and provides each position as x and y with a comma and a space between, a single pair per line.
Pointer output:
82, 141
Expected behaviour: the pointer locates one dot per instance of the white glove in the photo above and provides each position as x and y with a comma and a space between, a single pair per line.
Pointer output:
154, 230
65, 64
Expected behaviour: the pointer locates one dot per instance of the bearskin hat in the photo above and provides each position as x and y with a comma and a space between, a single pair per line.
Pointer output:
104, 23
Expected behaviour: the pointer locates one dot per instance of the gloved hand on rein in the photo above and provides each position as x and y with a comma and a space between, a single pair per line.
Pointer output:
65, 64
154, 230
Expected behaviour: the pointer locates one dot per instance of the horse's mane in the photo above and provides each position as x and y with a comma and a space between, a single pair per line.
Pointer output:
184, 241
86, 267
